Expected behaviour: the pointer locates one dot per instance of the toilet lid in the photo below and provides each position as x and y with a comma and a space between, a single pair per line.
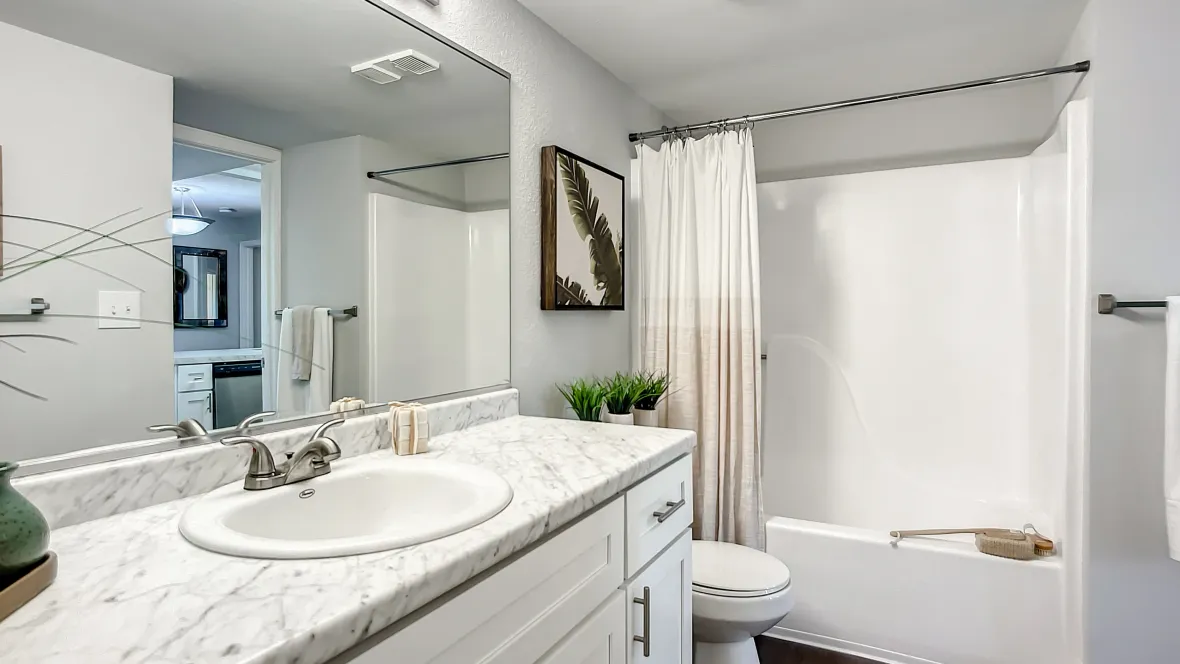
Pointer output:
731, 570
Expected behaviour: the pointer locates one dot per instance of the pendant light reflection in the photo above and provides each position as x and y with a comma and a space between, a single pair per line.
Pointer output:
182, 223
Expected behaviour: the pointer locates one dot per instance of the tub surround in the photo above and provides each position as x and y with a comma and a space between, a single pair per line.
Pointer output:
937, 617
213, 356
74, 496
131, 589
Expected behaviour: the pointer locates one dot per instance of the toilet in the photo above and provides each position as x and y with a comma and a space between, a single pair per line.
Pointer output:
737, 594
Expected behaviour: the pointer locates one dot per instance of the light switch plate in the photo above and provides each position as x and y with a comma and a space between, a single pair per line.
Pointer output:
118, 309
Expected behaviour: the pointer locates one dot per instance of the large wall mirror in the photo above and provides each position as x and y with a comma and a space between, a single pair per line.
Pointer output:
328, 182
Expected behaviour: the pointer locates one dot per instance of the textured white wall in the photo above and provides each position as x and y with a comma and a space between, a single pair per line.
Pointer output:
993, 123
1133, 588
1080, 47
85, 138
559, 96
325, 212
324, 244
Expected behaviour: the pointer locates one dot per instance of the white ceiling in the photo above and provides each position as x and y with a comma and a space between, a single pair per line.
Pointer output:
189, 162
217, 190
276, 72
702, 60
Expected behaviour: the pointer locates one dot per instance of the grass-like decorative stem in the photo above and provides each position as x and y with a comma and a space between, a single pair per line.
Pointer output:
653, 385
621, 392
585, 397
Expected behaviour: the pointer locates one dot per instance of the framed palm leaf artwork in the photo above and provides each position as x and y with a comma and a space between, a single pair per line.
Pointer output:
582, 225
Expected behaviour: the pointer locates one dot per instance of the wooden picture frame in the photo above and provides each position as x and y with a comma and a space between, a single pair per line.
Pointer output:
583, 225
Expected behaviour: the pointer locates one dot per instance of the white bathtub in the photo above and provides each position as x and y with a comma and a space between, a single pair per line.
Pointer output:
924, 601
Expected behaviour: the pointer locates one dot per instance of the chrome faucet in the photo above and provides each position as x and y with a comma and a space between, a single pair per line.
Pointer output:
253, 419
311, 460
184, 429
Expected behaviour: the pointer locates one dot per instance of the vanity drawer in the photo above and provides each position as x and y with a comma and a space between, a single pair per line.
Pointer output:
667, 493
194, 377
521, 611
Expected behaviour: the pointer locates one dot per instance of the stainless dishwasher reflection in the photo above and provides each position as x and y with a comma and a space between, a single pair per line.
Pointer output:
237, 392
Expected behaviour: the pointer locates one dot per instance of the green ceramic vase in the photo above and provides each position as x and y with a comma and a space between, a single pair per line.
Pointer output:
24, 533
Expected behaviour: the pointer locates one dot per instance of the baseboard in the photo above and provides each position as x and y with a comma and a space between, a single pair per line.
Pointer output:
846, 647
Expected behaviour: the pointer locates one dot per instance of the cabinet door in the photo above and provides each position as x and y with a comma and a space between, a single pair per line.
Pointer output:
197, 406
659, 602
523, 610
600, 639
194, 377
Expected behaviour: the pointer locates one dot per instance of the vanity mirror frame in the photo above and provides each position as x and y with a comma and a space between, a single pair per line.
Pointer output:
271, 232
184, 281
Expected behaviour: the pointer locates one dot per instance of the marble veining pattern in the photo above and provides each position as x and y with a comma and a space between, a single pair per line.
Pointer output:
213, 356
131, 589
69, 497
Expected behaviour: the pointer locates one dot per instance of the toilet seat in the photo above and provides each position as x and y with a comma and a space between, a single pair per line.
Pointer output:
721, 569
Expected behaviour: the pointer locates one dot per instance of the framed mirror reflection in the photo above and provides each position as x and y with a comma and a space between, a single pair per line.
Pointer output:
276, 227
201, 284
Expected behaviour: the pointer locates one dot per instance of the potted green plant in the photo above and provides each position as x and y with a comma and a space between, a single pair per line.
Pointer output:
585, 398
653, 385
621, 391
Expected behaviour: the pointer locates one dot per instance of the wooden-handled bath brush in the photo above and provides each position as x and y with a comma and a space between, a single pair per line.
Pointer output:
1014, 544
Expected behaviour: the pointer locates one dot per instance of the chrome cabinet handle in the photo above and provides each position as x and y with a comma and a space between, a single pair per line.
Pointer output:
672, 507
646, 604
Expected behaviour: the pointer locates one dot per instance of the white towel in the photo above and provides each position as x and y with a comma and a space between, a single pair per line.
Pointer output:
301, 397
303, 340
1172, 429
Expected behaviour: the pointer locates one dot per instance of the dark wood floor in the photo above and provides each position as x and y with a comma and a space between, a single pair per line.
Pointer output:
777, 651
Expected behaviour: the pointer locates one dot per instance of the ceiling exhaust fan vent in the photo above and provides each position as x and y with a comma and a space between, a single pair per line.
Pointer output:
413, 62
378, 75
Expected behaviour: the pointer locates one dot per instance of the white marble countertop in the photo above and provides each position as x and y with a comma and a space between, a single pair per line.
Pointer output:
131, 589
213, 356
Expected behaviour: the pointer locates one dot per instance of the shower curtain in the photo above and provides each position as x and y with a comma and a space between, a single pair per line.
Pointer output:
699, 318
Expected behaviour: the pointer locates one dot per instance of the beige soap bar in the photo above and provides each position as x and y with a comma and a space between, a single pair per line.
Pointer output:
410, 425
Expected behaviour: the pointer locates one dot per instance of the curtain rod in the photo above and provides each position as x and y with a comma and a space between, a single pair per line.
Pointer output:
454, 162
1080, 67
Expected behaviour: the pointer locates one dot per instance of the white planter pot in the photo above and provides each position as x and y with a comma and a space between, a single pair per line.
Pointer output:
646, 418
611, 418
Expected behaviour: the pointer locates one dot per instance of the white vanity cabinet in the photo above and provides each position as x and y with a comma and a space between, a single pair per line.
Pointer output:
196, 406
659, 603
194, 393
571, 599
600, 639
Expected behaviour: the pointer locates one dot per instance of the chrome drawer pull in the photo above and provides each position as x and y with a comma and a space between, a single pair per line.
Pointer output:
672, 507
646, 604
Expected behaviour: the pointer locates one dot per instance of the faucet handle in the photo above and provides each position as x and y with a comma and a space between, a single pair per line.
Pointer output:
168, 428
328, 449
254, 419
189, 428
323, 428
262, 464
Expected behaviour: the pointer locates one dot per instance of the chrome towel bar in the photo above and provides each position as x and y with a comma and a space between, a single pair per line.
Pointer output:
1107, 303
350, 312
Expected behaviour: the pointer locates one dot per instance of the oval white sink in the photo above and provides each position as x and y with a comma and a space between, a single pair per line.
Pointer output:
362, 506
